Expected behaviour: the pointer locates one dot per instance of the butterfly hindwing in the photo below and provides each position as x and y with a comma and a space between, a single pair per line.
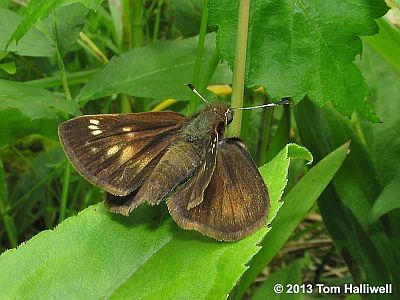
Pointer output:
235, 202
117, 152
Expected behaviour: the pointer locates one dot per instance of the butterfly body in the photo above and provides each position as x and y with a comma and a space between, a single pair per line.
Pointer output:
211, 184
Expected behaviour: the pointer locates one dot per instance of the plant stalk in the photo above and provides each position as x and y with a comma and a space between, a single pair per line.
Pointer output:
239, 66
199, 58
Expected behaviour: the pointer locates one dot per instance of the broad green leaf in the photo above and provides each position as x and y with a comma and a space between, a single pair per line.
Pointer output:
33, 102
387, 200
160, 70
15, 125
34, 43
97, 254
298, 48
297, 203
291, 274
39, 9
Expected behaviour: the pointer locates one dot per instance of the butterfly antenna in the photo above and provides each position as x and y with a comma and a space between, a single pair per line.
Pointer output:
282, 102
191, 86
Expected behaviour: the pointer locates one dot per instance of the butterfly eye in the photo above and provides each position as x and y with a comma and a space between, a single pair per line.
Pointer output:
229, 117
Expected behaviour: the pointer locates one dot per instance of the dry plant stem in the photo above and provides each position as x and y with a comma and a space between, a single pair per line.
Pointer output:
239, 67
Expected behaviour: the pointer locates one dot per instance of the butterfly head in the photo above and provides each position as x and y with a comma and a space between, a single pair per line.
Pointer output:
224, 111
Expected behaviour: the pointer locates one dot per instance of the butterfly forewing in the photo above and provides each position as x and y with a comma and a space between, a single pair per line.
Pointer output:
117, 152
183, 160
235, 202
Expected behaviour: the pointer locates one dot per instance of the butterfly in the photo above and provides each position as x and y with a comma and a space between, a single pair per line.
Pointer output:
210, 183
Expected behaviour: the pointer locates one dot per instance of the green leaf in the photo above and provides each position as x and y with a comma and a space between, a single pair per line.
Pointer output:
34, 102
39, 9
296, 205
158, 70
387, 200
97, 254
34, 43
298, 48
291, 274
69, 23
386, 43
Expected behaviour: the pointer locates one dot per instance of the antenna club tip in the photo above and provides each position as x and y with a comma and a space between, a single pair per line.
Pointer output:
190, 86
285, 102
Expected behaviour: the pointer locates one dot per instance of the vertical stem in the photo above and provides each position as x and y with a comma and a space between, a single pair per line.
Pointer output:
8, 221
265, 138
64, 195
137, 23
60, 61
209, 71
157, 21
199, 57
239, 66
132, 36
67, 93
126, 25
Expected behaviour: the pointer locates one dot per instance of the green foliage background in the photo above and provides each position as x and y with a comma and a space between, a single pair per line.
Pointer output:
61, 59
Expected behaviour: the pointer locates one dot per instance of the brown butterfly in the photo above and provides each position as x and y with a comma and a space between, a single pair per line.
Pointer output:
210, 183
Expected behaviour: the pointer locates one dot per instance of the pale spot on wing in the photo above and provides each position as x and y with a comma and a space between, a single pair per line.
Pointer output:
93, 127
132, 135
94, 149
126, 155
126, 129
94, 121
96, 132
114, 149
